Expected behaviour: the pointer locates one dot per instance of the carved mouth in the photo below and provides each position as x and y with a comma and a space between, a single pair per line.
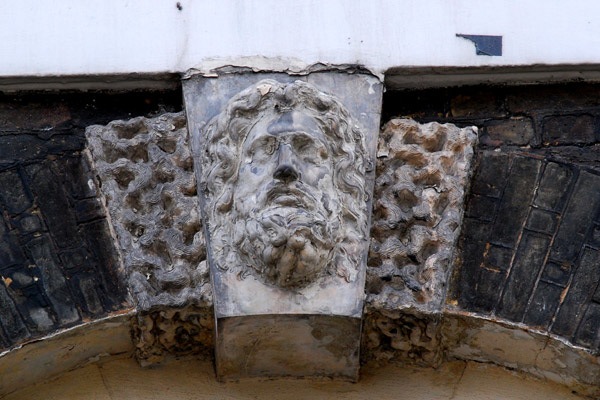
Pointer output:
288, 197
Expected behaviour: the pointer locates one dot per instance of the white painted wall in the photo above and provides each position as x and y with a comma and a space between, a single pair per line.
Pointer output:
66, 37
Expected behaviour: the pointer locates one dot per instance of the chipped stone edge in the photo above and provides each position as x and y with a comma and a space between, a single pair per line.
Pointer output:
122, 272
130, 312
66, 350
214, 67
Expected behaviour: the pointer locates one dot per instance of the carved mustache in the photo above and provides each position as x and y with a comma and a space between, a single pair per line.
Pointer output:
302, 195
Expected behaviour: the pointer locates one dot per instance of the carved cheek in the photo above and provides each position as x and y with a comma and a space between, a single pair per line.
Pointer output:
319, 176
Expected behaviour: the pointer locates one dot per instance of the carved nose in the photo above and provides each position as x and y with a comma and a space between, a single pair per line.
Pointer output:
285, 170
285, 173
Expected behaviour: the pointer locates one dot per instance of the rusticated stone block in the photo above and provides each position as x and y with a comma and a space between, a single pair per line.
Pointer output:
422, 173
173, 331
403, 336
146, 177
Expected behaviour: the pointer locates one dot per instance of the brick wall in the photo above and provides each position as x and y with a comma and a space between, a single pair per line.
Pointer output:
529, 246
58, 265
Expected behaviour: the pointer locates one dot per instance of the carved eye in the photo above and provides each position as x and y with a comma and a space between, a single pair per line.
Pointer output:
270, 145
264, 148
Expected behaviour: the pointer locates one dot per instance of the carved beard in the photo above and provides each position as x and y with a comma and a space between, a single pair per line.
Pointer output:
288, 246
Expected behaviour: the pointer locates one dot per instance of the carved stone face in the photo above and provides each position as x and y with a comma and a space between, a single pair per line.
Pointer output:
283, 177
286, 199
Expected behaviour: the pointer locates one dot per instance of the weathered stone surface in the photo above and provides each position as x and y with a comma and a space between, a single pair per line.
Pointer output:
175, 332
422, 173
403, 336
145, 173
285, 172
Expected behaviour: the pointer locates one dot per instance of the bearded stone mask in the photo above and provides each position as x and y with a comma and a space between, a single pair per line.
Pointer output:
285, 185
285, 181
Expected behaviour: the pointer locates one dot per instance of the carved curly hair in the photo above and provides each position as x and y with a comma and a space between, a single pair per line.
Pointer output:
220, 153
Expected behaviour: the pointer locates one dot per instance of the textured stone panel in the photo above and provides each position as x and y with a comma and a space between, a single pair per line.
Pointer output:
422, 173
145, 173
146, 177
177, 332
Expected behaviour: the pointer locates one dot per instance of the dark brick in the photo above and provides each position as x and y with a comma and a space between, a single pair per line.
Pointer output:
488, 289
543, 305
29, 223
526, 99
88, 209
10, 248
32, 304
60, 144
419, 104
542, 221
575, 221
15, 148
473, 245
523, 275
585, 280
490, 174
498, 258
481, 207
53, 281
77, 259
594, 238
11, 320
109, 274
88, 289
54, 204
33, 116
588, 334
557, 273
18, 148
569, 129
481, 104
4, 340
12, 192
75, 173
515, 201
596, 296
553, 187
514, 131
588, 156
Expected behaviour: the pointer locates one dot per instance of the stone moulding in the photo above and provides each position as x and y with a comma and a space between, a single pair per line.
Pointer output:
285, 174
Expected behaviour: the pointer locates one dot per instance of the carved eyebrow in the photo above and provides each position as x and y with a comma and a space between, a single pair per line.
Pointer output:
257, 141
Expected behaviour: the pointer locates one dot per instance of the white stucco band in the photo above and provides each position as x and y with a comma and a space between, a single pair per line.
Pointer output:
87, 38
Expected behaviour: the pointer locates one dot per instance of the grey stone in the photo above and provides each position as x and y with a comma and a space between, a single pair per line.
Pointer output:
422, 174
285, 172
147, 181
146, 177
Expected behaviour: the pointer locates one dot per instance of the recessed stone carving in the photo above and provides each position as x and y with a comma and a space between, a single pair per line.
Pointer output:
422, 175
283, 173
